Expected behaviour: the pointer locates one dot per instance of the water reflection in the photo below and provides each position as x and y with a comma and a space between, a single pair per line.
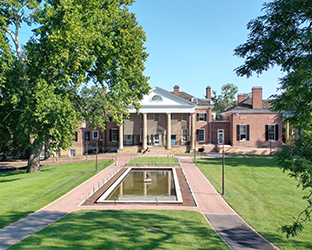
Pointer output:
135, 187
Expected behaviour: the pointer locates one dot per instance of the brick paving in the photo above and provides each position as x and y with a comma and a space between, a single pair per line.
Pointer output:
209, 202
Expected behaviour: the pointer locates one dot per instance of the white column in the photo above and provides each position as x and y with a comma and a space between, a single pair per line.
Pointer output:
121, 137
193, 132
144, 131
168, 130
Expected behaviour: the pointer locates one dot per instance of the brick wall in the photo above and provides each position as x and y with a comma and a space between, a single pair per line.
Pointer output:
256, 124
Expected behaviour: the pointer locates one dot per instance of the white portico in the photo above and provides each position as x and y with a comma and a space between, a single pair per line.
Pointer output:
164, 119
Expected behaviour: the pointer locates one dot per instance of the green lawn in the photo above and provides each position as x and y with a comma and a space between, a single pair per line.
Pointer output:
153, 161
262, 194
126, 229
22, 194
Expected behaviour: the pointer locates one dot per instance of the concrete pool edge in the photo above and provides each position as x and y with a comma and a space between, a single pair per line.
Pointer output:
108, 191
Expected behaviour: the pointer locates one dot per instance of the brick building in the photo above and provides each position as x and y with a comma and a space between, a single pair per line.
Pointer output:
180, 122
250, 123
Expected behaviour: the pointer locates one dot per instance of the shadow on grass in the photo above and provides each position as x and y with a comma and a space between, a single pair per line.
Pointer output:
127, 230
282, 241
9, 217
240, 162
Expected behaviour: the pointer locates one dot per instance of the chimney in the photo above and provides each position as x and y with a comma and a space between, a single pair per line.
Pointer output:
240, 98
257, 97
176, 89
208, 94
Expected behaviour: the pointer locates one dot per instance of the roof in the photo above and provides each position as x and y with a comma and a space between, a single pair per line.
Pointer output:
188, 97
246, 107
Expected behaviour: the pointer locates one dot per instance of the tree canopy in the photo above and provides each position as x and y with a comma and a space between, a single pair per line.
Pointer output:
226, 99
73, 44
283, 37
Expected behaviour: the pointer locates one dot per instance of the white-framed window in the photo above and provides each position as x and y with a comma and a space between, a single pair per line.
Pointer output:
201, 135
95, 135
183, 117
201, 117
271, 132
72, 152
156, 117
184, 134
57, 153
156, 98
114, 135
128, 138
194, 100
243, 132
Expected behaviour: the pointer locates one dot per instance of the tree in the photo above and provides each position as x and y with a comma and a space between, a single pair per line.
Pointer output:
282, 37
73, 44
226, 99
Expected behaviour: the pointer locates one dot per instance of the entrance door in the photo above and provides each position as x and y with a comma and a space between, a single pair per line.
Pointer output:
220, 136
157, 139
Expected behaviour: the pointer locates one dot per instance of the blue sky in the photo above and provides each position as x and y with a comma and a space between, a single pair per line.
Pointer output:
191, 44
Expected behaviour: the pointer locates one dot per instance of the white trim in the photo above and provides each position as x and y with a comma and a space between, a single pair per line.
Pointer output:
204, 114
93, 137
70, 152
114, 129
197, 134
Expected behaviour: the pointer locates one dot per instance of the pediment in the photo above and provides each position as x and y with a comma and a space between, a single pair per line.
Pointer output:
161, 97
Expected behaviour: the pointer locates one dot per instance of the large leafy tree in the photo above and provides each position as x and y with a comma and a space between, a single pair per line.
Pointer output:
74, 43
226, 99
283, 37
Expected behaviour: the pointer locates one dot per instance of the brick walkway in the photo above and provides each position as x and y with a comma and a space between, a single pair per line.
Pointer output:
209, 202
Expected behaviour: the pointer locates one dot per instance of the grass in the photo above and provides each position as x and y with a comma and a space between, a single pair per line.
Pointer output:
262, 195
153, 161
22, 194
126, 229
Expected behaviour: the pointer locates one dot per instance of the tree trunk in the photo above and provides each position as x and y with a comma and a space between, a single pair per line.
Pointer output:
34, 159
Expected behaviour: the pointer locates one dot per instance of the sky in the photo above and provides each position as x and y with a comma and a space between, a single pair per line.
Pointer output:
191, 44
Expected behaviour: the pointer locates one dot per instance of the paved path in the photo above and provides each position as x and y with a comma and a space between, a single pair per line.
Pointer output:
233, 230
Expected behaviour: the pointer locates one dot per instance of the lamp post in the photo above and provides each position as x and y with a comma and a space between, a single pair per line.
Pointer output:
221, 141
223, 163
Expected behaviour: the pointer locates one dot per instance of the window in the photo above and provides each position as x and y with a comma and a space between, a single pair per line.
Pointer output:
95, 135
128, 138
194, 100
200, 135
113, 135
57, 153
271, 132
243, 132
184, 118
184, 134
72, 152
76, 137
201, 117
156, 98
156, 117
87, 135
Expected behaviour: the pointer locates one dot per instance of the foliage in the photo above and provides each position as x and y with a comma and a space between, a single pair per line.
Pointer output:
226, 99
127, 229
300, 168
282, 37
73, 44
32, 192
264, 196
